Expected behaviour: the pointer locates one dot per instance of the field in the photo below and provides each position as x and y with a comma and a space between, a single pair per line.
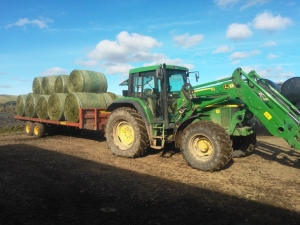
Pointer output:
7, 98
62, 179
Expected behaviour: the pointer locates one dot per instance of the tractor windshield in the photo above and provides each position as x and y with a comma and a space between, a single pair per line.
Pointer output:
176, 79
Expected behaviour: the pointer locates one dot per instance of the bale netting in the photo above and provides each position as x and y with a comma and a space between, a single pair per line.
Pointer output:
48, 85
30, 105
20, 105
41, 107
37, 85
77, 100
290, 89
87, 81
112, 95
56, 106
61, 84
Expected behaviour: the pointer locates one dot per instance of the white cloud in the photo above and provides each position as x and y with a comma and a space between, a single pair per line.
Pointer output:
269, 44
267, 22
272, 56
41, 23
188, 41
53, 71
251, 3
237, 31
276, 74
88, 63
117, 68
242, 55
226, 3
222, 49
124, 49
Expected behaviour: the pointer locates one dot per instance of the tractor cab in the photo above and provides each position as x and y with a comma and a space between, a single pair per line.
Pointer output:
159, 87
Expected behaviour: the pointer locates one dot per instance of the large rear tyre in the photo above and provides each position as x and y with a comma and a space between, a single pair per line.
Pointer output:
39, 130
243, 145
126, 133
29, 128
206, 146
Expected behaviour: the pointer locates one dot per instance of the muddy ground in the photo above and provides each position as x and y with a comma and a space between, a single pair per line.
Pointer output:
62, 179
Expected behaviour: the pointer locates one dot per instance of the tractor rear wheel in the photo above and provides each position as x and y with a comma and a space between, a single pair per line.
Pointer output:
29, 128
206, 146
243, 145
38, 130
126, 133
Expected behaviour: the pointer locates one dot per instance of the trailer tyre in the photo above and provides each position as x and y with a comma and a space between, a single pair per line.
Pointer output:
29, 128
206, 146
38, 130
126, 133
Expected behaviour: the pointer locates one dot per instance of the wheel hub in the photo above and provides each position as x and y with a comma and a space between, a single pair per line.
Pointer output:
125, 134
201, 148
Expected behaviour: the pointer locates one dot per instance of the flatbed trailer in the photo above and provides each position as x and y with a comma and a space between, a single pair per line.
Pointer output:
89, 119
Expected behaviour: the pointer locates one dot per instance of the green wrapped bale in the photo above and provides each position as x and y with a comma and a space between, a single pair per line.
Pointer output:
30, 105
41, 107
56, 106
112, 95
48, 85
87, 81
20, 105
61, 84
37, 85
76, 100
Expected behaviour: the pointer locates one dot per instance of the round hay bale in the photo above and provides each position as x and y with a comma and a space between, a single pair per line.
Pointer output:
108, 98
61, 84
76, 100
112, 95
87, 81
30, 105
290, 89
41, 107
56, 106
298, 105
48, 85
20, 105
37, 85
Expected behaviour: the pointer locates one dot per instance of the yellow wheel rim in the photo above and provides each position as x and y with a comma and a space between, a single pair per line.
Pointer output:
125, 135
36, 130
27, 129
201, 148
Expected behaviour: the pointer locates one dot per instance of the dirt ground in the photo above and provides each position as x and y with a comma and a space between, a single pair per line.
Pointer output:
62, 179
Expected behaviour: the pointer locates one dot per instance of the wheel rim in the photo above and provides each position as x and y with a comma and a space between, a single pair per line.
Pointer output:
36, 130
124, 134
201, 148
27, 129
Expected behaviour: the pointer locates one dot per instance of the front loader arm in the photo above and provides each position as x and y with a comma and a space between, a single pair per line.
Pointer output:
280, 117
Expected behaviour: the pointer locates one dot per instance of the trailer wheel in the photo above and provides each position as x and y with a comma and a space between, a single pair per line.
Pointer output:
243, 146
206, 146
38, 130
126, 133
29, 128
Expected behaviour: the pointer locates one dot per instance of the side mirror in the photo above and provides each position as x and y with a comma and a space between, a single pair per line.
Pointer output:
125, 93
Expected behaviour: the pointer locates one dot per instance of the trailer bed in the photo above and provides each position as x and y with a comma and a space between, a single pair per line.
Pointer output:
90, 119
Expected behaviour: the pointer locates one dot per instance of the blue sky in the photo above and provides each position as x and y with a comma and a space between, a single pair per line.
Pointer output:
214, 37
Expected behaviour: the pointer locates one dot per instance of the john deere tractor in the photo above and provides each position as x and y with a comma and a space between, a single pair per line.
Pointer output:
210, 123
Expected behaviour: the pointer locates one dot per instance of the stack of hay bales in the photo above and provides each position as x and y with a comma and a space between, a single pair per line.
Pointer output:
60, 97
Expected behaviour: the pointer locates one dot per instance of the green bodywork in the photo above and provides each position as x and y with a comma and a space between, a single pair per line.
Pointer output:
231, 102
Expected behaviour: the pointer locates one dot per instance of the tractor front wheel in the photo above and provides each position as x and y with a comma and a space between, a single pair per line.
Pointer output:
126, 133
206, 146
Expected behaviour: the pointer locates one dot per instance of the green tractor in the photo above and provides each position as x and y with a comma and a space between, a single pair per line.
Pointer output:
210, 123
